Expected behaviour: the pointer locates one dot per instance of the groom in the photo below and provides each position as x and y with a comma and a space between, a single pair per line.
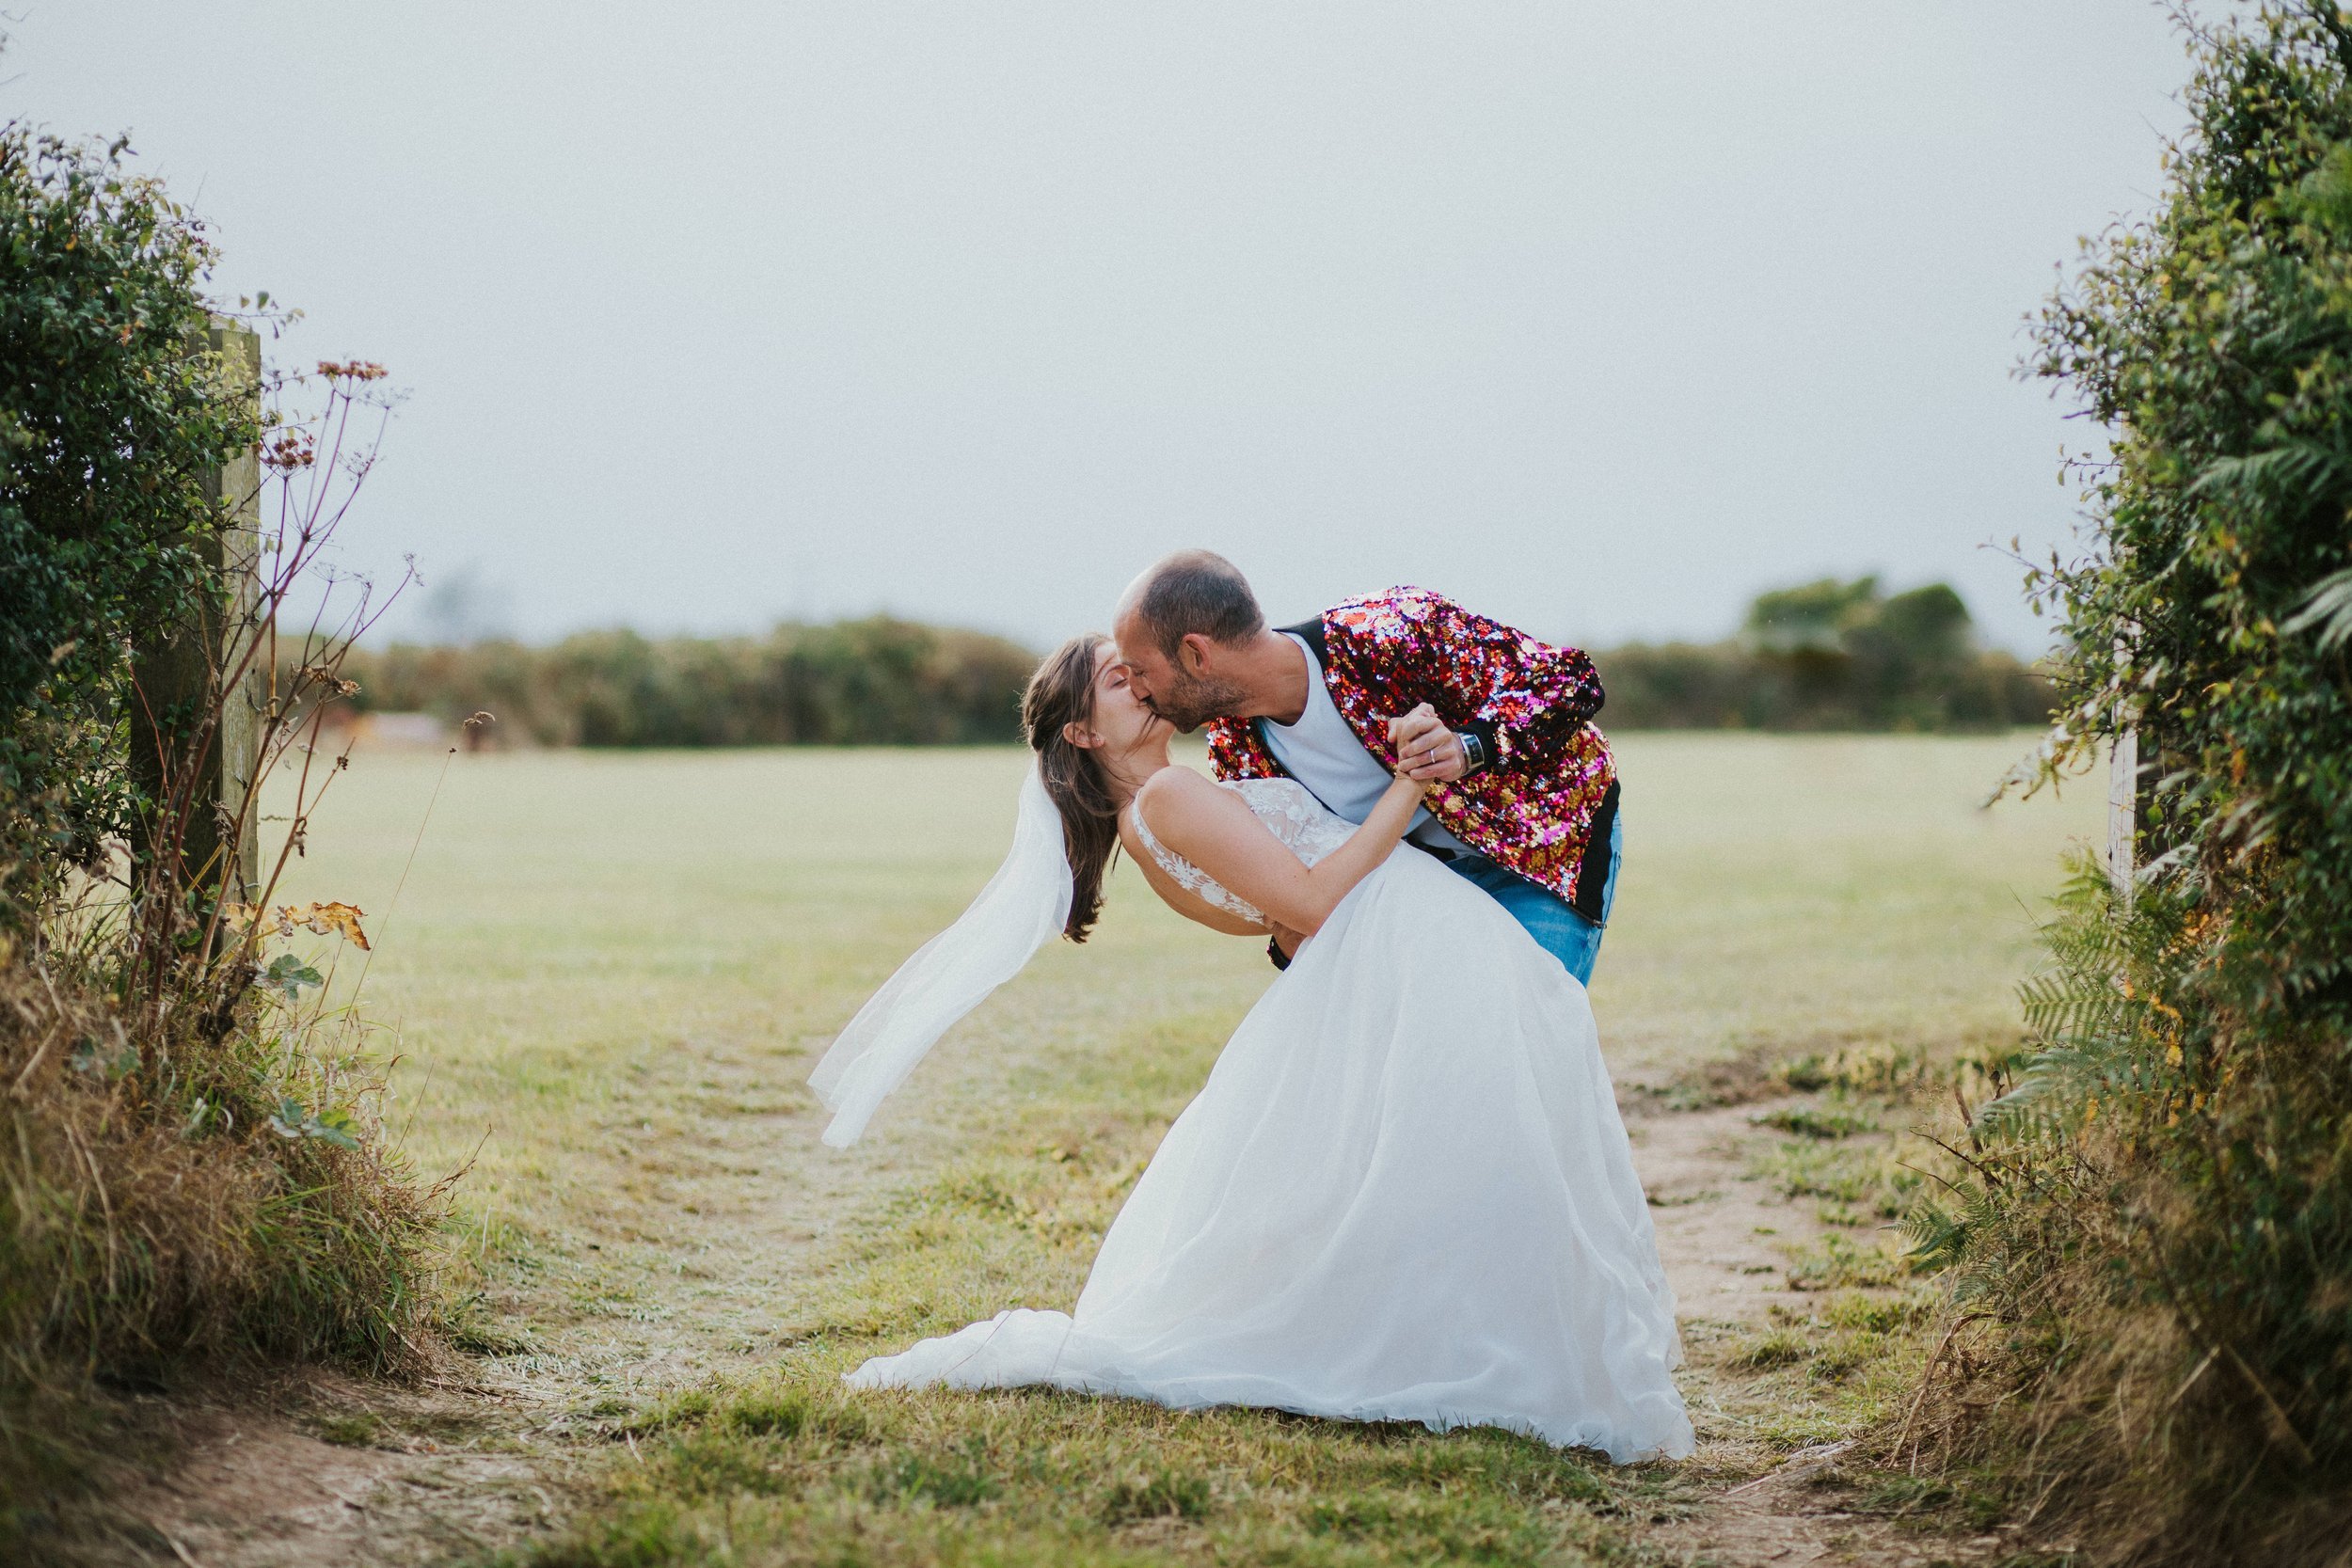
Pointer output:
1525, 803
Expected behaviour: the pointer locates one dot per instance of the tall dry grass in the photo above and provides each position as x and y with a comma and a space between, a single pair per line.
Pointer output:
222, 1196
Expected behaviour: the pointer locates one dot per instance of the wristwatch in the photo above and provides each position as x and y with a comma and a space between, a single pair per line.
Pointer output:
1474, 751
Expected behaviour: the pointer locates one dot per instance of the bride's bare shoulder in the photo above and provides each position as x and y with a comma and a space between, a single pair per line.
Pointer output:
1176, 796
1173, 781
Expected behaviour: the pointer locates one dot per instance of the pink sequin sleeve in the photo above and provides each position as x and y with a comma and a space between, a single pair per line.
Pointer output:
1526, 698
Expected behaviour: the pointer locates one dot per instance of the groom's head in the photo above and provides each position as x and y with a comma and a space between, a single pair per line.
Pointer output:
1182, 628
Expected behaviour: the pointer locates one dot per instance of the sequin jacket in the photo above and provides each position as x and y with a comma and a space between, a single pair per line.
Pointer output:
1542, 806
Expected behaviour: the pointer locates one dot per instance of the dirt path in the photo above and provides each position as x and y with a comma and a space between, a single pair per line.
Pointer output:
716, 1197
1725, 1234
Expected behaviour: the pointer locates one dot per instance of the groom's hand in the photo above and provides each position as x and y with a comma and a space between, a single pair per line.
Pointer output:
1426, 751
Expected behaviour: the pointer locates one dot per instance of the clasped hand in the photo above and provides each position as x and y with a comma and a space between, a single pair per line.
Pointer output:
1426, 751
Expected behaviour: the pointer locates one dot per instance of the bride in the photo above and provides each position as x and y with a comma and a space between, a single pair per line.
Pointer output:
1403, 1194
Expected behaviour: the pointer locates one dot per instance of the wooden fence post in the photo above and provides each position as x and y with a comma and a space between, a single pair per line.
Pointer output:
2123, 811
2124, 795
241, 558
176, 665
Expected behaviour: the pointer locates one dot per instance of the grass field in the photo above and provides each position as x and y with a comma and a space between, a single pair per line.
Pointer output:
606, 976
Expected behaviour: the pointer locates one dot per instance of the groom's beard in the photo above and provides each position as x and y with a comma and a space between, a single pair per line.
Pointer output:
1191, 704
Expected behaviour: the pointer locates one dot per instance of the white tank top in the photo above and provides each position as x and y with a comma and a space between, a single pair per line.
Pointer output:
1323, 754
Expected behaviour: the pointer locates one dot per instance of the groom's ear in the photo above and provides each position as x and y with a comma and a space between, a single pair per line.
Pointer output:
1192, 654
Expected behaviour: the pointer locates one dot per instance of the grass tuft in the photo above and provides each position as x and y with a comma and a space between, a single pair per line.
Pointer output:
1839, 1262
1779, 1347
361, 1429
647, 1534
1814, 1121
1163, 1494
960, 1480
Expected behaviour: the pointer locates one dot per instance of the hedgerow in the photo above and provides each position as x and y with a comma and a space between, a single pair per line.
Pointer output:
2153, 1244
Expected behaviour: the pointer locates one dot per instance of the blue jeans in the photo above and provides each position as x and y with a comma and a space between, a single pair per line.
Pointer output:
1558, 929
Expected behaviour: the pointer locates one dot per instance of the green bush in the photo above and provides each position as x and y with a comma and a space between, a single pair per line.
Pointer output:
2158, 1226
113, 418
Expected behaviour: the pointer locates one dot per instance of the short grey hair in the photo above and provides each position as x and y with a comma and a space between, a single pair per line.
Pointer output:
1195, 591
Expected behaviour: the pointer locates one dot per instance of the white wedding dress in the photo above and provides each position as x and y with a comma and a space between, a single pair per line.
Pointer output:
1404, 1194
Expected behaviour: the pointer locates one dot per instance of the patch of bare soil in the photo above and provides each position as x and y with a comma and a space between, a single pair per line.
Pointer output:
1725, 1235
319, 1469
1722, 1234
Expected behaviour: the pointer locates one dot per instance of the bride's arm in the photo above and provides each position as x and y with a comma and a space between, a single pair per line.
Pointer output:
1217, 831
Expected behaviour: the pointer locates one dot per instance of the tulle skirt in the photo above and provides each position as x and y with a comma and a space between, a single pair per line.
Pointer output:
1404, 1194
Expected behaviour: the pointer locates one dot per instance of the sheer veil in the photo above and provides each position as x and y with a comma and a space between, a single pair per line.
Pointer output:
1020, 911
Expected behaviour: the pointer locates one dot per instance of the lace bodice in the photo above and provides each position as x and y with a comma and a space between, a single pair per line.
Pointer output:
1290, 813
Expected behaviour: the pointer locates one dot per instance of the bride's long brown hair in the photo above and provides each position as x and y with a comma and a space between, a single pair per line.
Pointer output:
1061, 693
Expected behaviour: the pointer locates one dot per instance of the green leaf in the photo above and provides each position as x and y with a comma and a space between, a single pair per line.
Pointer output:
2328, 607
335, 1125
287, 976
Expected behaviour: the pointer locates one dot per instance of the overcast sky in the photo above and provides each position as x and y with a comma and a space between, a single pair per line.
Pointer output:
1599, 317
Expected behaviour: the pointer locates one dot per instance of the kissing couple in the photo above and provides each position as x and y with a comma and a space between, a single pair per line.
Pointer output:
1404, 1192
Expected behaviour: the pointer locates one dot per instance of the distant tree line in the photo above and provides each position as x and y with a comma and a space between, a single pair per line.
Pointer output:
1829, 656
875, 682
